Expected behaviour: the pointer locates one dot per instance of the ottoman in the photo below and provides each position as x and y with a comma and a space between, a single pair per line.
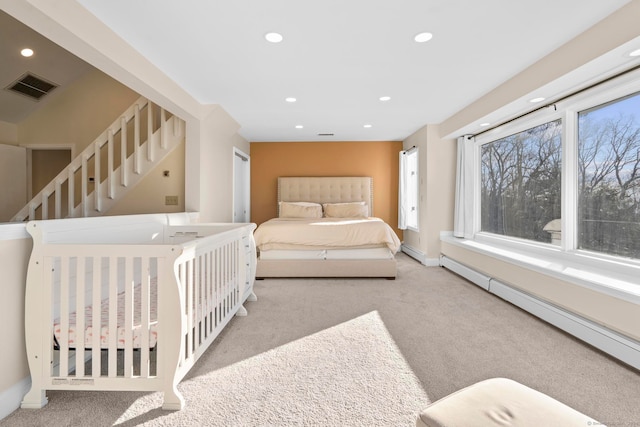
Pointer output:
500, 402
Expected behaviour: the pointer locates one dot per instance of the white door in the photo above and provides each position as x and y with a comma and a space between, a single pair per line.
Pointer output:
13, 180
241, 186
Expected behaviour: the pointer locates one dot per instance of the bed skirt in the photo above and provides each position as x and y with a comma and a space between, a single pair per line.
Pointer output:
385, 268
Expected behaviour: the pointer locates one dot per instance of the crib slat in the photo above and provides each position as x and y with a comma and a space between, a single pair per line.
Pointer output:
96, 313
227, 278
209, 284
112, 347
145, 318
217, 276
64, 316
129, 283
197, 300
80, 326
189, 308
234, 269
212, 285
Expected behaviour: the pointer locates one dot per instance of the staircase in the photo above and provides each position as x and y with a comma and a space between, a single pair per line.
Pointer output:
110, 166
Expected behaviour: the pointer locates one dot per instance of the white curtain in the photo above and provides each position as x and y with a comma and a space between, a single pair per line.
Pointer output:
402, 192
465, 197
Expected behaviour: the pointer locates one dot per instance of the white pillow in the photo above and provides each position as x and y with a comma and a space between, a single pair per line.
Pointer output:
300, 210
346, 210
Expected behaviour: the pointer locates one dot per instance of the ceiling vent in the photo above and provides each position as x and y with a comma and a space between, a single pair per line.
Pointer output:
325, 134
32, 86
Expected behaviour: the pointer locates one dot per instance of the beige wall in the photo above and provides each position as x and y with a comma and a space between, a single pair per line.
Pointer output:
8, 133
78, 114
13, 180
378, 159
437, 175
13, 360
209, 156
148, 196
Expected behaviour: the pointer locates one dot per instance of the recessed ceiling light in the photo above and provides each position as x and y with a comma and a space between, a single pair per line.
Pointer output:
299, 126
368, 125
290, 99
423, 37
26, 52
385, 98
539, 99
273, 37
485, 124
635, 53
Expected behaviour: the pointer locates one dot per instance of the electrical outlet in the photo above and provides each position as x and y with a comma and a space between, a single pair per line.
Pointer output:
170, 200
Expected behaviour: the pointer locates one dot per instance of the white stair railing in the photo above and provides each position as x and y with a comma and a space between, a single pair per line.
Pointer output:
125, 165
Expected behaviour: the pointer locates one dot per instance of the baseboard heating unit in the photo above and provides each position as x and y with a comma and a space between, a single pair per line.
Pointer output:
618, 346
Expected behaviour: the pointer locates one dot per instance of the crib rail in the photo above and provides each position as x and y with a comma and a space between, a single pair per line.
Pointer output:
129, 316
213, 283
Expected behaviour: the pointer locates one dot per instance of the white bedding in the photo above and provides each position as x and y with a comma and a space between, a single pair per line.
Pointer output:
325, 233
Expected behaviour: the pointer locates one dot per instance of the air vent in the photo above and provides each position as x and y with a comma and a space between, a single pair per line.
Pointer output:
32, 86
325, 134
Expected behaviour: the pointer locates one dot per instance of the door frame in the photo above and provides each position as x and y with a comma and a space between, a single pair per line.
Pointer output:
247, 178
40, 147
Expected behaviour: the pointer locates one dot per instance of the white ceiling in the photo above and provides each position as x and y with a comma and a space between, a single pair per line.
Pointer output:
338, 57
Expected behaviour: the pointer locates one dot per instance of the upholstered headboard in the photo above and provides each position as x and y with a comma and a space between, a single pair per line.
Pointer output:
326, 189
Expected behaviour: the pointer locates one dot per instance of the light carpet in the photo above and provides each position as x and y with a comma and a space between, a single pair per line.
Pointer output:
350, 374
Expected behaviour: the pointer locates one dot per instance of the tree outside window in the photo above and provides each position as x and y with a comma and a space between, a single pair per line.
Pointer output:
609, 178
520, 182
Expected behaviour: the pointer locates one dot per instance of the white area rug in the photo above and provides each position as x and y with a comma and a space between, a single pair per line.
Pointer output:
349, 375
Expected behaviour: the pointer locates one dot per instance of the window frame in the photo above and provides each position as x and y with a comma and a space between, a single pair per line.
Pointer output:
539, 120
594, 264
414, 152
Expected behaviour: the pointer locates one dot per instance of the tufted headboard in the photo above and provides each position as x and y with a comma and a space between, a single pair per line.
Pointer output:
326, 189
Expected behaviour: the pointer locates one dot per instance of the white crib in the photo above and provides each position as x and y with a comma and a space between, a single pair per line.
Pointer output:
160, 286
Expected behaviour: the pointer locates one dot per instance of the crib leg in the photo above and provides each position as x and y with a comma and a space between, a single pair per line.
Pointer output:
34, 399
173, 400
241, 311
252, 297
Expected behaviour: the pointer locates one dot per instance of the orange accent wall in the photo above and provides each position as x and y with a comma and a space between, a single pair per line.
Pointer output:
378, 159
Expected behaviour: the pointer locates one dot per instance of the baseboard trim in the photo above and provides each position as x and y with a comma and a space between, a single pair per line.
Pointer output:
11, 398
419, 256
617, 345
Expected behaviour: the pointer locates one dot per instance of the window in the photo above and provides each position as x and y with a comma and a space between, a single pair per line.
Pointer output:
609, 178
520, 182
408, 197
568, 175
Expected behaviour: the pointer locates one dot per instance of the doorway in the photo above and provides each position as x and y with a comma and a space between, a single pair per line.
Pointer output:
241, 186
45, 164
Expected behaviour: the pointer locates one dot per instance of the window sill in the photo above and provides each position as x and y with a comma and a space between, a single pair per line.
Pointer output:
612, 277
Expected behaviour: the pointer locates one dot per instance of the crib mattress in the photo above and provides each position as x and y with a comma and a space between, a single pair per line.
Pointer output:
73, 337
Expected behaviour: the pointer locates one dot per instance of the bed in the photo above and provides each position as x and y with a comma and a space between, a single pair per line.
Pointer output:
130, 302
326, 228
